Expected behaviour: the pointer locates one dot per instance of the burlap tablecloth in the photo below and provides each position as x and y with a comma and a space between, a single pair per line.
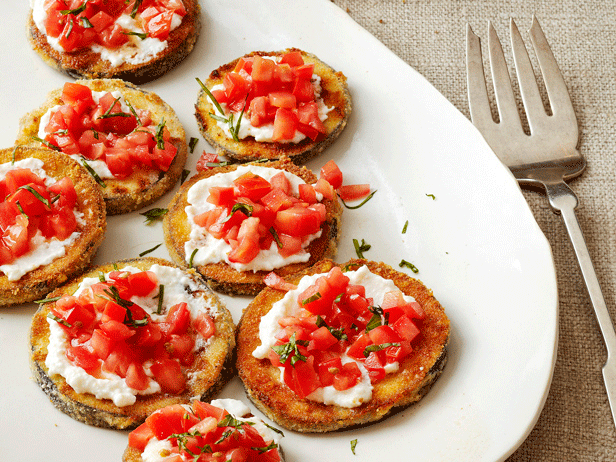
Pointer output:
576, 423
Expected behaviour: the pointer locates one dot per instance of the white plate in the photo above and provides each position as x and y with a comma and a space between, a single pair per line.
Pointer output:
475, 243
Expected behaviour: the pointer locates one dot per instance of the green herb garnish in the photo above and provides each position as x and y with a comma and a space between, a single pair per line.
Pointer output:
92, 172
361, 248
370, 348
276, 237
160, 296
77, 10
192, 256
338, 333
59, 320
406, 225
353, 446
408, 264
141, 35
36, 194
154, 214
85, 23
290, 350
193, 142
132, 109
244, 208
212, 97
160, 142
47, 143
312, 298
108, 113
353, 207
47, 300
185, 174
432, 196
145, 252
223, 163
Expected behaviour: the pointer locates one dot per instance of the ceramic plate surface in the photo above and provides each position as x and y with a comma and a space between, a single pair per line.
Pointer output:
470, 234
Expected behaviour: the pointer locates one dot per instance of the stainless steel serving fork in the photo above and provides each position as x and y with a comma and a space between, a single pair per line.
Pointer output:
548, 156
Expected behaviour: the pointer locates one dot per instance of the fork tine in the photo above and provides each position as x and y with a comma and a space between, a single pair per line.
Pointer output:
560, 102
503, 91
529, 90
479, 105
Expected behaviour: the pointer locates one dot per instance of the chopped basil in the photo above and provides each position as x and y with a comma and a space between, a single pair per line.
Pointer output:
36, 194
274, 429
213, 98
312, 298
160, 142
353, 446
193, 142
160, 296
59, 320
145, 252
92, 172
13, 155
370, 348
276, 237
353, 207
408, 264
272, 445
132, 109
47, 143
77, 10
114, 296
348, 266
185, 174
338, 333
85, 23
192, 256
235, 130
230, 421
48, 300
71, 23
154, 214
21, 210
101, 276
432, 196
290, 350
136, 6
378, 318
141, 35
244, 208
217, 164
109, 114
406, 225
361, 248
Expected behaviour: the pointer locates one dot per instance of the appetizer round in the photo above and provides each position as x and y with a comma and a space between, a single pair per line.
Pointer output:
52, 220
134, 40
129, 139
223, 430
347, 346
235, 224
128, 338
268, 104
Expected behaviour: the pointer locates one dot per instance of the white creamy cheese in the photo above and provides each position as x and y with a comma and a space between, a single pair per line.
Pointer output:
135, 51
212, 250
376, 287
265, 132
155, 449
44, 251
112, 386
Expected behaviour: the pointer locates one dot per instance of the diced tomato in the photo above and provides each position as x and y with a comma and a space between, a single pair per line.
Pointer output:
65, 188
116, 330
204, 159
82, 356
302, 377
114, 312
297, 221
100, 21
248, 239
332, 174
405, 328
375, 365
304, 72
321, 339
118, 360
262, 69
167, 421
285, 124
142, 283
303, 91
290, 245
348, 377
236, 87
204, 324
383, 334
317, 298
204, 410
353, 192
282, 99
140, 436
180, 347
74, 92
276, 282
251, 186
293, 58
322, 186
178, 319
112, 36
101, 344
163, 158
168, 373
356, 350
136, 377
221, 195
18, 177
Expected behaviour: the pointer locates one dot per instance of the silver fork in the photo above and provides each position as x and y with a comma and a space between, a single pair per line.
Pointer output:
547, 157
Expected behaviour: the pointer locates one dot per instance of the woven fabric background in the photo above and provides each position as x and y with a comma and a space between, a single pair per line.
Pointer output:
576, 423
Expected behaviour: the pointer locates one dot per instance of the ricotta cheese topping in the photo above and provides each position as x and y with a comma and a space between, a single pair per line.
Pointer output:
135, 51
376, 287
178, 286
44, 251
265, 132
212, 250
156, 449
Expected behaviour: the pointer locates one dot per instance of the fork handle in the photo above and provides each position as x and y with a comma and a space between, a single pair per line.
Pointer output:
564, 201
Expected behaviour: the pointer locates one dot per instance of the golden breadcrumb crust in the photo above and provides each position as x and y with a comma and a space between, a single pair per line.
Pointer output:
144, 185
409, 384
40, 281
335, 93
212, 368
221, 276
87, 64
